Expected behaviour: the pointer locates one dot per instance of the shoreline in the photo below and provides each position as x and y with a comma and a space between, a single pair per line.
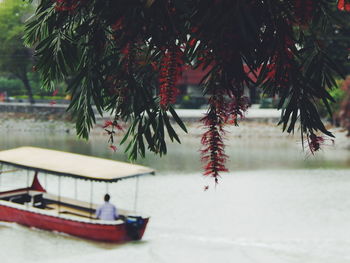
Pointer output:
24, 122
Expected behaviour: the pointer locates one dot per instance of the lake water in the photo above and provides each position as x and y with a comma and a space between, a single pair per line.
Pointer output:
277, 205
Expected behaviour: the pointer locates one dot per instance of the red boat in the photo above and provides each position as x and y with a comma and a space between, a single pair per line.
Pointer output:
32, 206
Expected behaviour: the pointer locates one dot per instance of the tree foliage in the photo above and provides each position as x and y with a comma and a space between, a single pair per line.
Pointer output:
15, 58
339, 42
125, 56
344, 105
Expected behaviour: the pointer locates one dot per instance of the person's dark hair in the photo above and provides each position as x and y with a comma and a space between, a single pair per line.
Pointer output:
107, 197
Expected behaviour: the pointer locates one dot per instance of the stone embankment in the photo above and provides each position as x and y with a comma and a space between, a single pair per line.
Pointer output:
39, 118
41, 111
58, 112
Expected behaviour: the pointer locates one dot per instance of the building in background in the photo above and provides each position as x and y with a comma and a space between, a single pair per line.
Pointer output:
191, 94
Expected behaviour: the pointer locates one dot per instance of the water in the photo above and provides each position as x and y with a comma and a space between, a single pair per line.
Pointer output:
277, 205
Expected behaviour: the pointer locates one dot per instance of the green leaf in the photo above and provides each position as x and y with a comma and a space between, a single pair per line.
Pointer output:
177, 119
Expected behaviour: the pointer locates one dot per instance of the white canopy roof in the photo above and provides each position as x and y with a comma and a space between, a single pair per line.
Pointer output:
71, 164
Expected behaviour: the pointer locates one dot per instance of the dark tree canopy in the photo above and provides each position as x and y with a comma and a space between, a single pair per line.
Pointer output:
125, 56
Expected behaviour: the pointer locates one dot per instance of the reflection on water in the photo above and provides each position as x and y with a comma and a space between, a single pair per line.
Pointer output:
247, 152
276, 206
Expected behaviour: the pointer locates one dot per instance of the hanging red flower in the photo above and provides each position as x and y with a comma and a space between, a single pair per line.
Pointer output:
236, 109
271, 71
344, 5
112, 124
213, 153
192, 42
315, 142
113, 147
110, 127
170, 70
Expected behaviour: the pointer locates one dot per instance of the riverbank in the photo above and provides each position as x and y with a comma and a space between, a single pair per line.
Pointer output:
257, 124
40, 111
52, 111
32, 122
54, 118
250, 128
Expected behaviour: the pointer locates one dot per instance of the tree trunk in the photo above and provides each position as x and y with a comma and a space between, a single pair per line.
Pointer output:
27, 86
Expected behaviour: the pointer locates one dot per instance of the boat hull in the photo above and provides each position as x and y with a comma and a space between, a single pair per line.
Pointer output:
115, 233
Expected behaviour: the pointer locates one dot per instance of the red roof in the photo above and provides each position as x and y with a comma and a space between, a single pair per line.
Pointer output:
194, 76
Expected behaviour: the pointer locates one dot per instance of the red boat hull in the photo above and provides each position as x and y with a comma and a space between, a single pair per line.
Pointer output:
115, 233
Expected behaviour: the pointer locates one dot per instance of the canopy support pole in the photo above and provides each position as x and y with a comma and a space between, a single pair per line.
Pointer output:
1, 165
107, 188
59, 194
136, 193
27, 187
75, 189
27, 179
46, 181
91, 194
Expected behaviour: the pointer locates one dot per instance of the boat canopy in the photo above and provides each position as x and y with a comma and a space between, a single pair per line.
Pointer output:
71, 164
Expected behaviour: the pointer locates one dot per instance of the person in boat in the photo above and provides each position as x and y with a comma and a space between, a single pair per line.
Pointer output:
107, 211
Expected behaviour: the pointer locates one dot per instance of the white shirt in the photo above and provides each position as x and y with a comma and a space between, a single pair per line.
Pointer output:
107, 211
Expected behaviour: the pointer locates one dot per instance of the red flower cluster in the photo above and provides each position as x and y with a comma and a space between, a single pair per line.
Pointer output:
171, 69
204, 56
344, 5
225, 108
192, 43
271, 74
113, 147
110, 127
315, 142
67, 5
236, 109
112, 124
213, 154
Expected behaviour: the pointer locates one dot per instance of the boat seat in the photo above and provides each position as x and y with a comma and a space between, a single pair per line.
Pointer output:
63, 209
21, 199
38, 201
76, 214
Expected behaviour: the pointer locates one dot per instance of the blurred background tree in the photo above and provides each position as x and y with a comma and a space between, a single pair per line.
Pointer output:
16, 60
343, 114
339, 40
